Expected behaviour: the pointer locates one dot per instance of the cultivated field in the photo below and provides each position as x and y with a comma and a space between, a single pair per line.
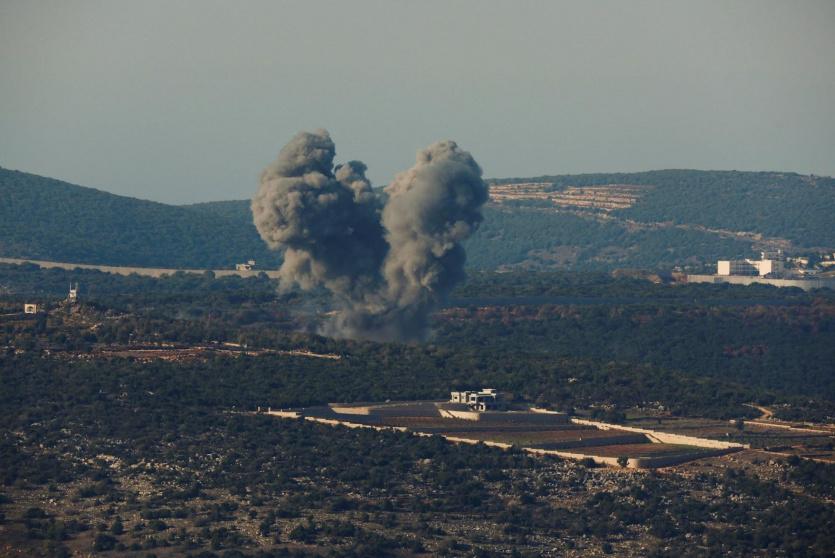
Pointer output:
565, 439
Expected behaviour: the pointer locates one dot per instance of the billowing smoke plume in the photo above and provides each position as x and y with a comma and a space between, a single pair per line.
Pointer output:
388, 260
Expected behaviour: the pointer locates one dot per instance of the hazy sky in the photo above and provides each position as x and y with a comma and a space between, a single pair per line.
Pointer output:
183, 101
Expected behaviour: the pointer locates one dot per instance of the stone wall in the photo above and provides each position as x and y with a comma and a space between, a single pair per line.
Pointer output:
591, 442
504, 417
805, 284
664, 437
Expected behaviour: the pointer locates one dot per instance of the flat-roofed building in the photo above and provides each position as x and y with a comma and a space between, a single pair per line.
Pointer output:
763, 267
767, 267
735, 267
486, 399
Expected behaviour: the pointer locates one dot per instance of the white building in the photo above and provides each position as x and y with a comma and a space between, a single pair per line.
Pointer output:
31, 308
245, 266
768, 266
770, 263
487, 399
735, 267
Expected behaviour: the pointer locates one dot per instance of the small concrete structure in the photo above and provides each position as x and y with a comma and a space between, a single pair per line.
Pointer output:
245, 266
31, 308
72, 297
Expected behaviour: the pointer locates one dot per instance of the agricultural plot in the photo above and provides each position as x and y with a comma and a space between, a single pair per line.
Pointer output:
530, 431
775, 438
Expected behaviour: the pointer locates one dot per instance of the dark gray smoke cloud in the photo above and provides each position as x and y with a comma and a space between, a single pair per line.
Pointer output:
389, 260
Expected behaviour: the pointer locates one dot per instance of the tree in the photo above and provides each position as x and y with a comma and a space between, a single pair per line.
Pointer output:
117, 528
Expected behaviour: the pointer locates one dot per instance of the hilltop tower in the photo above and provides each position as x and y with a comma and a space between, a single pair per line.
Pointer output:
72, 297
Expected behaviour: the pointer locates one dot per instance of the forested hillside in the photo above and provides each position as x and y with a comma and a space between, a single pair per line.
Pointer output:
668, 218
48, 219
541, 239
786, 205
654, 219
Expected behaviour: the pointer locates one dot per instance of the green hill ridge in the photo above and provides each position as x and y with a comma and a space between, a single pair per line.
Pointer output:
43, 218
677, 218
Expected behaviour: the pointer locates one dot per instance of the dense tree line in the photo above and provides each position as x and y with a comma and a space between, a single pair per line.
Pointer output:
623, 286
789, 349
107, 290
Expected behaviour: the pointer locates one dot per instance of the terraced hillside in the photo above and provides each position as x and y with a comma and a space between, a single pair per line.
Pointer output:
604, 197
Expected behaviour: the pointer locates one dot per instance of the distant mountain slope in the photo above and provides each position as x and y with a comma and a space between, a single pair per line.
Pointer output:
796, 207
49, 219
542, 239
233, 210
654, 220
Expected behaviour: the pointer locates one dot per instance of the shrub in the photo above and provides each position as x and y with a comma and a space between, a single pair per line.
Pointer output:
104, 542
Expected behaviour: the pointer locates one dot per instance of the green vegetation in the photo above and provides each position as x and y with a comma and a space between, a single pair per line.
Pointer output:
620, 287
42, 218
117, 453
767, 339
785, 205
566, 338
665, 227
756, 347
177, 468
28, 280
545, 239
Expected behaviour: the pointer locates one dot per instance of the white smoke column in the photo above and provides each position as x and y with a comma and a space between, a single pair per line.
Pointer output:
388, 271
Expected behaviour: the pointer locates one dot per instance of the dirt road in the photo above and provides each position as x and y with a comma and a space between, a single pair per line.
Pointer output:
147, 271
